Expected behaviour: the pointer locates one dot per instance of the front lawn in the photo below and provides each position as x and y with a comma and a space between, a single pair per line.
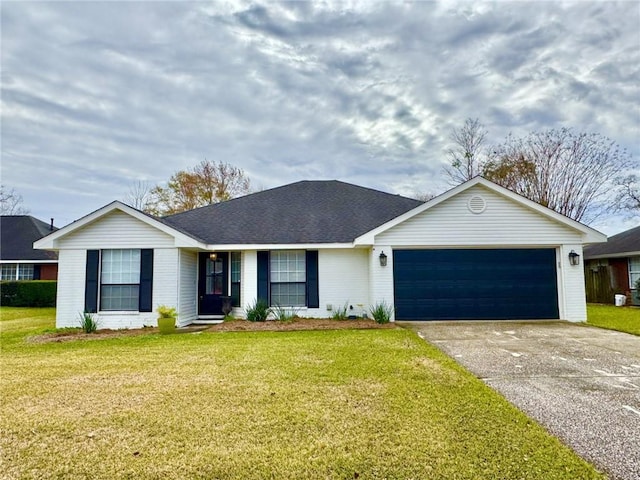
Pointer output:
623, 319
300, 405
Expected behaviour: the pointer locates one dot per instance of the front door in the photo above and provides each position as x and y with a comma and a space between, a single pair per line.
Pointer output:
212, 283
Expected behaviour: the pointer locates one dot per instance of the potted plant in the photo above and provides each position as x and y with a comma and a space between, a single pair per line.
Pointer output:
166, 319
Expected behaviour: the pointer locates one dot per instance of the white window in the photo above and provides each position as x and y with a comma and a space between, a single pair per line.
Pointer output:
25, 271
288, 278
9, 271
634, 271
120, 280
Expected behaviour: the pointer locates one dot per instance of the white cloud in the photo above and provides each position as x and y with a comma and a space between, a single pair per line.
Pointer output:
96, 95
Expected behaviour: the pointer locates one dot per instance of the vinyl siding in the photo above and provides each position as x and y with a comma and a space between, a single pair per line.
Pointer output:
70, 296
381, 278
117, 230
571, 290
71, 286
188, 288
503, 223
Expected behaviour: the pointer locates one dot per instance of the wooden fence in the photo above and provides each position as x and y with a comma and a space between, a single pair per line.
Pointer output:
598, 284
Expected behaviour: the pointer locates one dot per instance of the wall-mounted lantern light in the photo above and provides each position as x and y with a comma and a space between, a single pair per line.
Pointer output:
383, 259
213, 256
574, 258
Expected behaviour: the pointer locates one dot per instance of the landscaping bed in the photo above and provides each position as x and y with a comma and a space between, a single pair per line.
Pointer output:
73, 334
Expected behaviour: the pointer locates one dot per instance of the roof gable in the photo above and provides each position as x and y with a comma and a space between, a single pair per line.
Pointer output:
306, 212
588, 235
623, 244
17, 234
105, 214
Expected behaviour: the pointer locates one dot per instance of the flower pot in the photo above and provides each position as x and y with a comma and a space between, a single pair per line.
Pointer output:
167, 324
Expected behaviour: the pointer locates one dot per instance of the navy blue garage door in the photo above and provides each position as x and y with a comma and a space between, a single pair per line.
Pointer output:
475, 284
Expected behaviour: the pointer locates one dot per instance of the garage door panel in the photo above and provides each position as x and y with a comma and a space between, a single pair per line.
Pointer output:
475, 284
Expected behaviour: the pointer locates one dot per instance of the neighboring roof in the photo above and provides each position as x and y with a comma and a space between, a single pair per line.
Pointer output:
589, 235
17, 234
307, 212
624, 244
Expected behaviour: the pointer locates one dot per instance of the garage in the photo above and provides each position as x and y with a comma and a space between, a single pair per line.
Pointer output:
475, 284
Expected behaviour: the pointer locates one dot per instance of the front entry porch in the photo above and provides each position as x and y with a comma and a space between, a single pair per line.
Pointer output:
218, 285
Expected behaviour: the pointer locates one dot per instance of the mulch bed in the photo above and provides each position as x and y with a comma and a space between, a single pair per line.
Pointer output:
230, 326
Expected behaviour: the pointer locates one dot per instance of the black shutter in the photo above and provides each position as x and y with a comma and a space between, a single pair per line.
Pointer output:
91, 281
36, 272
146, 280
313, 297
263, 276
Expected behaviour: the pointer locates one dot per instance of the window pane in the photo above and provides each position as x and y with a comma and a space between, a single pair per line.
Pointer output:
235, 267
289, 266
8, 271
288, 294
634, 271
25, 271
119, 297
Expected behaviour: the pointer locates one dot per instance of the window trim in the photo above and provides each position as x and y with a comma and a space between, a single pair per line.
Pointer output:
302, 253
635, 260
101, 284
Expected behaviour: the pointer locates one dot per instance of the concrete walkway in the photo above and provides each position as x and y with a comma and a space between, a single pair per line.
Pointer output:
581, 383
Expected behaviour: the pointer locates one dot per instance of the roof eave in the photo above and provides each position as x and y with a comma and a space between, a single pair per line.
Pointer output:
612, 255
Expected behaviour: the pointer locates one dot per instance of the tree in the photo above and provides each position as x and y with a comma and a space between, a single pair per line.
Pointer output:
207, 183
571, 173
11, 202
628, 197
424, 196
465, 157
139, 195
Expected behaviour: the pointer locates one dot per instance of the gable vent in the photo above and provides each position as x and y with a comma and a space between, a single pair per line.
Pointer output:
477, 204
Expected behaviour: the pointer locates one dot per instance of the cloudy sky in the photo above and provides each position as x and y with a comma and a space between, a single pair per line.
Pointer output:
97, 95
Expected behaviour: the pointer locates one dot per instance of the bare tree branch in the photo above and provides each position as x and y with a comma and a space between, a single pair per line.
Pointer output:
11, 202
571, 173
465, 157
139, 195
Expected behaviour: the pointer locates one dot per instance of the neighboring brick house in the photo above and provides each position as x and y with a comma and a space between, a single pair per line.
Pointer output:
18, 259
618, 262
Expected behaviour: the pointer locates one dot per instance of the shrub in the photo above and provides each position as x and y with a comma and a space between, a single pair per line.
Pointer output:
284, 314
28, 293
341, 312
88, 323
382, 312
165, 311
258, 312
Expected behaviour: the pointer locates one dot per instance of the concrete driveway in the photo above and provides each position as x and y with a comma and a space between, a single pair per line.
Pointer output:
581, 383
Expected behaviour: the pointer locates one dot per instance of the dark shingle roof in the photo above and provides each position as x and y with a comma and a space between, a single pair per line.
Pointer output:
302, 212
17, 234
627, 241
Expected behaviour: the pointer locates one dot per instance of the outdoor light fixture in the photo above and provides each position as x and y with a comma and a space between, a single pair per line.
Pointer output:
383, 260
574, 258
213, 256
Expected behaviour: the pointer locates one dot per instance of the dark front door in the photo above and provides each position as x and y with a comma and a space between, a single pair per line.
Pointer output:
212, 283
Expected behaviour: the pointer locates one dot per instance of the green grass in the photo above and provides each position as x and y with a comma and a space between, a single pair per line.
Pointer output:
623, 319
282, 405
